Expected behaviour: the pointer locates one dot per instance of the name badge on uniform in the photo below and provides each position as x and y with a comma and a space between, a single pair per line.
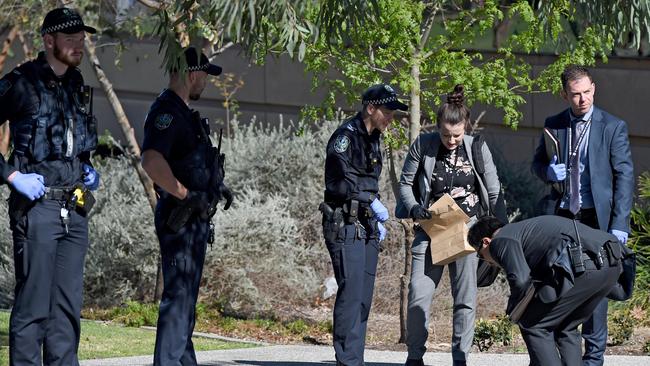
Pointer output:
163, 121
341, 144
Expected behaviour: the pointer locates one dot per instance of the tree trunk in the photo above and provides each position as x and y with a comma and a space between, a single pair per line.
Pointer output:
414, 130
405, 278
4, 129
414, 108
501, 32
133, 148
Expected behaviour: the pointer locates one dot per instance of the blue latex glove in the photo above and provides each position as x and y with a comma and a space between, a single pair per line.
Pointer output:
382, 231
621, 235
379, 210
29, 185
91, 177
555, 172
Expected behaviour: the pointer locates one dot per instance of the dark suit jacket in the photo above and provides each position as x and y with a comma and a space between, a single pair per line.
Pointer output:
610, 166
534, 251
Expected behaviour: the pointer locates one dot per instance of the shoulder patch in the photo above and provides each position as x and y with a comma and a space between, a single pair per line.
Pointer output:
341, 144
163, 121
5, 85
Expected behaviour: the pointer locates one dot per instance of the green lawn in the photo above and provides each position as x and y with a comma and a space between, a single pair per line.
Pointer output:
104, 340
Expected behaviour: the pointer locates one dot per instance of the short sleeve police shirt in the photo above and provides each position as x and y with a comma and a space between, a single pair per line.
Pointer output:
168, 128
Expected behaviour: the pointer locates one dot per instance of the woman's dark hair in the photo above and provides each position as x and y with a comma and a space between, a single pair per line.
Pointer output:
484, 228
454, 111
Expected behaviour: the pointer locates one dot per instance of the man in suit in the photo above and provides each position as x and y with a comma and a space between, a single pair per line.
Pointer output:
558, 270
592, 177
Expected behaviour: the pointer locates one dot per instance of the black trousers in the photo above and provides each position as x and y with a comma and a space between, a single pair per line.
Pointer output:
354, 254
183, 255
49, 266
551, 330
594, 329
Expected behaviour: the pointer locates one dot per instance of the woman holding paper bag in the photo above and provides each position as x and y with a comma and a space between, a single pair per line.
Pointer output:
439, 163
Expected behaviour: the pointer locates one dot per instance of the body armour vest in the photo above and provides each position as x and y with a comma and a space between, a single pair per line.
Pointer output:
195, 170
61, 127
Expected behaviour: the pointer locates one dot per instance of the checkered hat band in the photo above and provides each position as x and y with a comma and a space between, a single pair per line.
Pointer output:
199, 67
62, 26
380, 101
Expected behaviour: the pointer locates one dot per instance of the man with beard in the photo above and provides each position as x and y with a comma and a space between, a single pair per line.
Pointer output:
50, 175
188, 176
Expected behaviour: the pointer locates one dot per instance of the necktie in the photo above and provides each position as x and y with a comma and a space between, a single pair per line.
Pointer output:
574, 164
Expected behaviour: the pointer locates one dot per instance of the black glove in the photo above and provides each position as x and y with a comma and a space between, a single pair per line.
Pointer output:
420, 213
225, 193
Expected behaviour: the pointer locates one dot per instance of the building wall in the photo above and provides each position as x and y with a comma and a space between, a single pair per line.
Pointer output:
281, 88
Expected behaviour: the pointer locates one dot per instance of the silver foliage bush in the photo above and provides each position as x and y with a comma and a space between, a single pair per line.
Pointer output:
122, 260
6, 254
269, 251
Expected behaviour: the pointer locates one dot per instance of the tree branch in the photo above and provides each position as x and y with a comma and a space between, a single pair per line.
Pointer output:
221, 50
153, 4
426, 27
27, 50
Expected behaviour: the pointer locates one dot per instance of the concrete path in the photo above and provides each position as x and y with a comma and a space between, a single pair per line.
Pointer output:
303, 355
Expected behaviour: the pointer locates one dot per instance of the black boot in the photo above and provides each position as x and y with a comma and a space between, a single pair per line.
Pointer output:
410, 362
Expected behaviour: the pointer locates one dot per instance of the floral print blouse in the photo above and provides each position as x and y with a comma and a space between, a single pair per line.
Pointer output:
454, 168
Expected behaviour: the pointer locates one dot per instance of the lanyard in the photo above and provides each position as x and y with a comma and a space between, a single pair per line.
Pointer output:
573, 151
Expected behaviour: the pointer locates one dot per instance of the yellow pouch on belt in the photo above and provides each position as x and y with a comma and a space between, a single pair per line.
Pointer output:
79, 194
84, 201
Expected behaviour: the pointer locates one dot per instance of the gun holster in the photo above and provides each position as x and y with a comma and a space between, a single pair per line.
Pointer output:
332, 221
178, 217
19, 205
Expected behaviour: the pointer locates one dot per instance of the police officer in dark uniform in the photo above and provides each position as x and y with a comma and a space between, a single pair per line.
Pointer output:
188, 175
49, 173
353, 216
558, 270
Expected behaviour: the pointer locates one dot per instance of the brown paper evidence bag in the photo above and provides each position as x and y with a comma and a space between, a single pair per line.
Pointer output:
447, 230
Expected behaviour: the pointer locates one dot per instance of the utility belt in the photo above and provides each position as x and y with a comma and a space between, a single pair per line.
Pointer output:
352, 210
338, 214
76, 198
585, 260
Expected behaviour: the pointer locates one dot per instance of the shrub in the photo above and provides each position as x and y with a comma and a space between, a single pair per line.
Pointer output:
135, 314
122, 260
640, 242
490, 332
522, 190
620, 326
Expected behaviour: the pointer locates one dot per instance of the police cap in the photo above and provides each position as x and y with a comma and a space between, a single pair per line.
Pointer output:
382, 95
200, 63
64, 20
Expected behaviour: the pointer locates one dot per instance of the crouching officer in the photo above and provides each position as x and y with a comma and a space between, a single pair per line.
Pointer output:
353, 216
49, 174
188, 176
558, 270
